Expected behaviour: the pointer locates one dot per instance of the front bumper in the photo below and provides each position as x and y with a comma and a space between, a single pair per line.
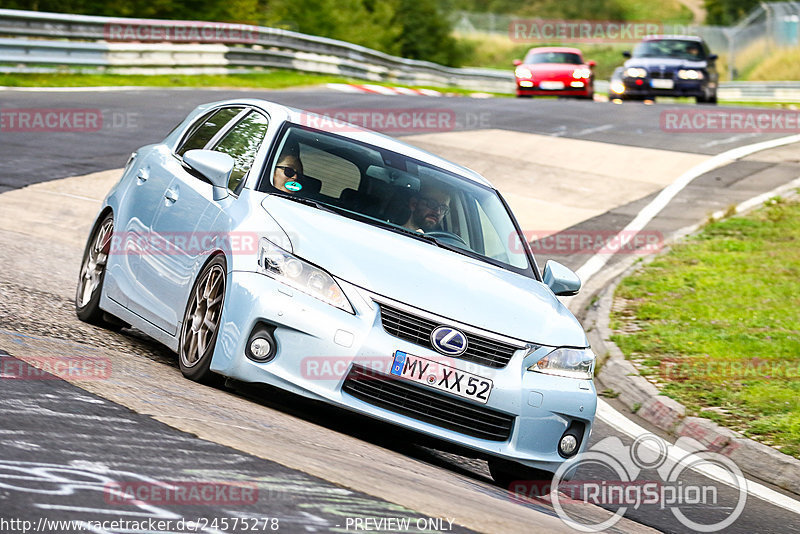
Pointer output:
688, 88
535, 90
318, 345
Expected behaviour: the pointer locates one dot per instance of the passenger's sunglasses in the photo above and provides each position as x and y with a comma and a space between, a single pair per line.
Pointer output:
288, 171
434, 205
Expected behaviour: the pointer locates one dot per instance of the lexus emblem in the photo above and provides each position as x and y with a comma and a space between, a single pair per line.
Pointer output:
449, 341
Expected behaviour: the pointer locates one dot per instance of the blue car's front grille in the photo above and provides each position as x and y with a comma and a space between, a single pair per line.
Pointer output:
423, 404
664, 75
417, 330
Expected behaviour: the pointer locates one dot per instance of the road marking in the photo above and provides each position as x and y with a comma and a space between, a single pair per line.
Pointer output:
728, 140
596, 129
594, 264
624, 425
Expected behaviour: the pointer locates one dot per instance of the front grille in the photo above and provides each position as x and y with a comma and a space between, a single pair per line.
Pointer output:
666, 75
417, 330
399, 396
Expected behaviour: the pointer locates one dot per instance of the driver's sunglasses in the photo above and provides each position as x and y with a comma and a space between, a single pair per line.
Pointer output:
288, 171
434, 205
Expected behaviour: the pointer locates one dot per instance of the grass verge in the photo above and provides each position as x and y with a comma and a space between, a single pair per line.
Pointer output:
716, 323
277, 79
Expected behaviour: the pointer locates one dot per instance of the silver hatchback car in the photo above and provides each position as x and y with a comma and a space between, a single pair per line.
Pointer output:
271, 245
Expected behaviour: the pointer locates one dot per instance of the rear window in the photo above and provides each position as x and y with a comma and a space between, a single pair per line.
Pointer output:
335, 173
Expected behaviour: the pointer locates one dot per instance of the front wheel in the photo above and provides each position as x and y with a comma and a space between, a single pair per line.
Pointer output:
93, 274
201, 322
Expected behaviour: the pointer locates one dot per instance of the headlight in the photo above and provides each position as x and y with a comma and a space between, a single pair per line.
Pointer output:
635, 72
570, 363
581, 73
522, 72
301, 275
690, 74
617, 87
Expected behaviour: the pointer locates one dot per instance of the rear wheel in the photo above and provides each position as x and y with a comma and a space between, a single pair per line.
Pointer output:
93, 274
201, 323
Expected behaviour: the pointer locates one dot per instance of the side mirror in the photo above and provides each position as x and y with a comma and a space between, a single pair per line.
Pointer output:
626, 54
592, 63
560, 279
216, 167
713, 57
517, 62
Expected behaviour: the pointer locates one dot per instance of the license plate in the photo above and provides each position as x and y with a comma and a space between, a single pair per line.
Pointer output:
551, 85
441, 377
662, 84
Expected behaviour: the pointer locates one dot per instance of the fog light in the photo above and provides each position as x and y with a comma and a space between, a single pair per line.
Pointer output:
260, 348
261, 344
568, 445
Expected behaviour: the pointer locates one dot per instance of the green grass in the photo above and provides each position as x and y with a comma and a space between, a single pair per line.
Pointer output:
277, 79
718, 320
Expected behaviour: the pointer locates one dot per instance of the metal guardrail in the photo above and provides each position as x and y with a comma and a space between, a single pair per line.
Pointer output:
53, 38
30, 40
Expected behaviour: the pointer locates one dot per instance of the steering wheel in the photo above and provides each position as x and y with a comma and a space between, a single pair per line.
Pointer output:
447, 235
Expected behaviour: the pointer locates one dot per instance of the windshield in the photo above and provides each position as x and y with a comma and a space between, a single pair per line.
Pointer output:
672, 48
395, 192
553, 57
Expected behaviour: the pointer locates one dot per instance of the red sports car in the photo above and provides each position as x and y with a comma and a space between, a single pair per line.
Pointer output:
554, 71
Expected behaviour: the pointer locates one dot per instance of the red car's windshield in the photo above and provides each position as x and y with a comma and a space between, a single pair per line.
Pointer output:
568, 58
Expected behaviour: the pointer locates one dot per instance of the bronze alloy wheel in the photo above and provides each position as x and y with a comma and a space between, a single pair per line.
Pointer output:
201, 321
93, 272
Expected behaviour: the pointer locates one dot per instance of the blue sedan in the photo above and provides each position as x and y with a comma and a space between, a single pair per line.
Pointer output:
347, 267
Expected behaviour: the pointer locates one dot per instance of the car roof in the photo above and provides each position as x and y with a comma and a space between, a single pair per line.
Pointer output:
354, 132
556, 49
674, 37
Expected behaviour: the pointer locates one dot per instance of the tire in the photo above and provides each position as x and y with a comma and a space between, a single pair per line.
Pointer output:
505, 473
93, 274
201, 322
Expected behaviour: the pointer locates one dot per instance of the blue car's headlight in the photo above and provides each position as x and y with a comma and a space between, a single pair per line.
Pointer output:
690, 74
570, 363
635, 72
301, 275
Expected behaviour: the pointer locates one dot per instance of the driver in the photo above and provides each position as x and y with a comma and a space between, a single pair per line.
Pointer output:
428, 208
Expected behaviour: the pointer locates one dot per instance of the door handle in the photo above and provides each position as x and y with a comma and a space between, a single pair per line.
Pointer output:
142, 176
171, 195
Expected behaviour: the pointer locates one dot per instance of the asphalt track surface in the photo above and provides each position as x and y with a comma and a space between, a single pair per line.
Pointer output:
50, 435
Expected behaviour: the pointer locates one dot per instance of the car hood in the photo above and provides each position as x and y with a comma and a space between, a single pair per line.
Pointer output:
427, 277
655, 63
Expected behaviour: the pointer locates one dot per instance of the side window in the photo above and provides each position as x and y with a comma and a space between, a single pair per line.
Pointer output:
335, 173
205, 130
241, 143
